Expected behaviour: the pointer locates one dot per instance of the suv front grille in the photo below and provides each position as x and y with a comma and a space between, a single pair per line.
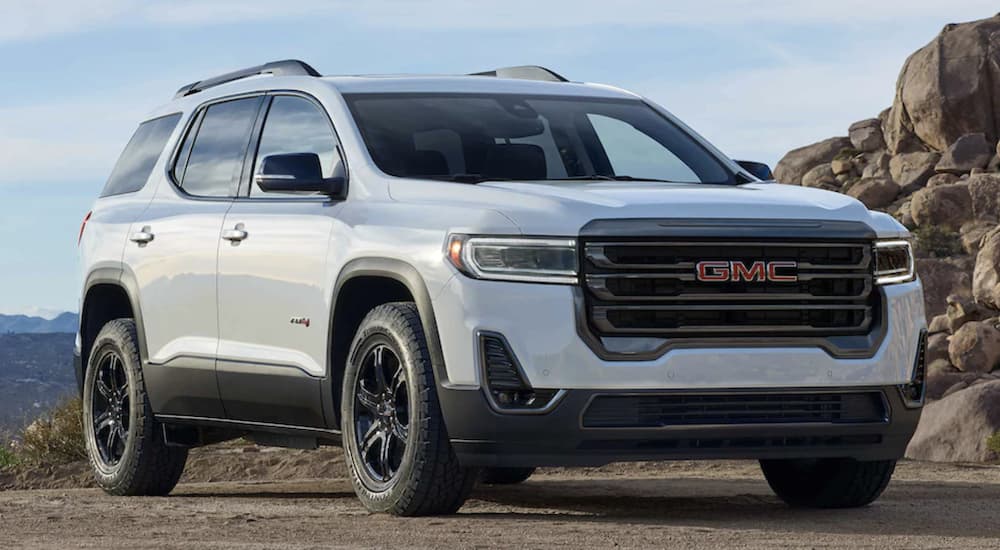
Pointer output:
650, 288
655, 411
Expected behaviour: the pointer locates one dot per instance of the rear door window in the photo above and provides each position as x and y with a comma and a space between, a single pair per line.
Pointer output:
137, 161
220, 144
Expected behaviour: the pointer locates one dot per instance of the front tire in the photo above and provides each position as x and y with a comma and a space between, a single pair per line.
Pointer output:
828, 482
124, 442
398, 453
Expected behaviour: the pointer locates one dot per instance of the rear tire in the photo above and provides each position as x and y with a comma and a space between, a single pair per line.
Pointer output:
398, 453
828, 482
124, 441
505, 476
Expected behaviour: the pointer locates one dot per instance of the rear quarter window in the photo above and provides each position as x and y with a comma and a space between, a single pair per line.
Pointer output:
137, 161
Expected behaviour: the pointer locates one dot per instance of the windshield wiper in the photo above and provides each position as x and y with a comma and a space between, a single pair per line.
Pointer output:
466, 178
600, 177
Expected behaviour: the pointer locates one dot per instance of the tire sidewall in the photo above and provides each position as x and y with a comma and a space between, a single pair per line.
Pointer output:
376, 332
109, 476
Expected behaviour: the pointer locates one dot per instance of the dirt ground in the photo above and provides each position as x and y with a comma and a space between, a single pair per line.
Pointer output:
236, 497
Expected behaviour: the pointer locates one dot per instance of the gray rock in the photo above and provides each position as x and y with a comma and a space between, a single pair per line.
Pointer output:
943, 277
972, 234
985, 192
955, 428
969, 152
912, 170
975, 346
866, 135
841, 166
821, 177
797, 162
986, 276
945, 205
942, 179
938, 325
875, 193
877, 166
947, 89
962, 310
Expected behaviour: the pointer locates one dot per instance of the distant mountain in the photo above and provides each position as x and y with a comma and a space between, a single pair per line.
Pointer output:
23, 324
36, 372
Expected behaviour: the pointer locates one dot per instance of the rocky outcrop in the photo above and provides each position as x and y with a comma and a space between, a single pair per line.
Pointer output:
796, 163
946, 90
866, 135
943, 277
943, 206
971, 151
975, 346
956, 428
912, 170
986, 277
875, 192
933, 161
984, 189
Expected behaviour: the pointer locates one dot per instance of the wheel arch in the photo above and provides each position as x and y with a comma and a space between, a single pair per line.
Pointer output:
109, 293
363, 284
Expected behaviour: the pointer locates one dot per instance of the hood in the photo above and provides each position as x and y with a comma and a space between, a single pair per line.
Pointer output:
562, 208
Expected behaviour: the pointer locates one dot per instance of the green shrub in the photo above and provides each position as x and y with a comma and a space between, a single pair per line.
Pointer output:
847, 153
56, 437
993, 443
7, 457
936, 242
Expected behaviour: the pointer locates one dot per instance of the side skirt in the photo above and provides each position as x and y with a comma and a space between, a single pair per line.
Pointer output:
195, 431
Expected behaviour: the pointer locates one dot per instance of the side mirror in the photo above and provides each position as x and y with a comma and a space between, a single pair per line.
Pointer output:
298, 173
759, 170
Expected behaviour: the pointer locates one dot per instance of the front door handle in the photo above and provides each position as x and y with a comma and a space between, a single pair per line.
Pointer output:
235, 235
143, 236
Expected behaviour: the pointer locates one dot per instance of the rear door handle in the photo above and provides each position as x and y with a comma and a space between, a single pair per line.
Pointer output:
235, 235
143, 236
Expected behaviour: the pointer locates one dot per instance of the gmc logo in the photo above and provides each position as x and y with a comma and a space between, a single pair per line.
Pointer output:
759, 271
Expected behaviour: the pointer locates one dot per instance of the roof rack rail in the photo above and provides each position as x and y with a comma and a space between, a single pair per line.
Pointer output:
285, 67
525, 72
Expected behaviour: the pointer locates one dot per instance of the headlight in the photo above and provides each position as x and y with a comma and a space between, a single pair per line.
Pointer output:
893, 262
528, 259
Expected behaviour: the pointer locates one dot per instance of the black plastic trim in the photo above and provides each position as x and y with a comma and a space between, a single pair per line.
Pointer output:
409, 277
481, 437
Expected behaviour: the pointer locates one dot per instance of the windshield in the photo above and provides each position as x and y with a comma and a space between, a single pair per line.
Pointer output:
476, 137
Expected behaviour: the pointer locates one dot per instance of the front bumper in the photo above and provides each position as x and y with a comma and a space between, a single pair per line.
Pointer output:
482, 437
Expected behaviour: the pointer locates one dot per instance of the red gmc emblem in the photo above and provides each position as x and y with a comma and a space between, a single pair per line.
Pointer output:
759, 271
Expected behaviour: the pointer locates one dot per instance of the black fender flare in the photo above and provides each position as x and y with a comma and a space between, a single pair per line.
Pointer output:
123, 278
404, 273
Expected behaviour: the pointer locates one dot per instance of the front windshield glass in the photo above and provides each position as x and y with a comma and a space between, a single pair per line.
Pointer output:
477, 137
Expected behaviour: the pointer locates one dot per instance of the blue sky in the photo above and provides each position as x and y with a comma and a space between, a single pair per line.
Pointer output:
755, 77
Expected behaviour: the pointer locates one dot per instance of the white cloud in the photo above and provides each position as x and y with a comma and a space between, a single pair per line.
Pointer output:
27, 19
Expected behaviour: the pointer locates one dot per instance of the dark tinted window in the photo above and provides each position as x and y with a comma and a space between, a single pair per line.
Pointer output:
473, 137
296, 125
219, 148
140, 155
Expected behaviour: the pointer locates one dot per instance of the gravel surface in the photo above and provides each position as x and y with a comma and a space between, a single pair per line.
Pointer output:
680, 504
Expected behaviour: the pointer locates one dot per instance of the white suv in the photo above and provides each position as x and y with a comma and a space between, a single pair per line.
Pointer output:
467, 277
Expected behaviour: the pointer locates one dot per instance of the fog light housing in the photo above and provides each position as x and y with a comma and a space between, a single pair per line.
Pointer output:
913, 393
506, 386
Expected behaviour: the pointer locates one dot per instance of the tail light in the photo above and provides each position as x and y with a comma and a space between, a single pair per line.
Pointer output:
83, 226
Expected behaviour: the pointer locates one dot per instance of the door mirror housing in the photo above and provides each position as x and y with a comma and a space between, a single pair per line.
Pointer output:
299, 173
759, 170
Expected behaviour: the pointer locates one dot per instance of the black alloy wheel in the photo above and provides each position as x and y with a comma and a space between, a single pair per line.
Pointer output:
111, 409
381, 413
